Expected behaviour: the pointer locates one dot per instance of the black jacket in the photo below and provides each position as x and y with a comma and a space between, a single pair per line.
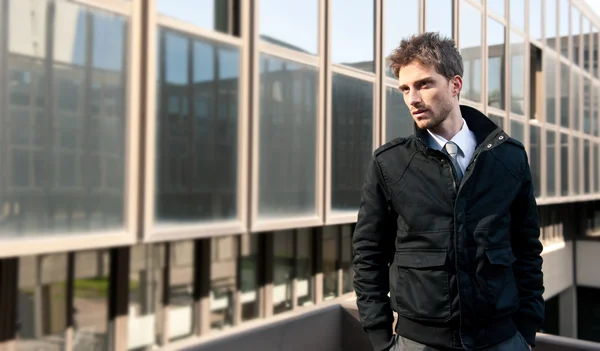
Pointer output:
462, 261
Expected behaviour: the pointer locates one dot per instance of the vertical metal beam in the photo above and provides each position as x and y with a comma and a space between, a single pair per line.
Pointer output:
9, 286
202, 285
118, 301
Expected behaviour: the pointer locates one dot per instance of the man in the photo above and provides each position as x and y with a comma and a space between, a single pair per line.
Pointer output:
448, 222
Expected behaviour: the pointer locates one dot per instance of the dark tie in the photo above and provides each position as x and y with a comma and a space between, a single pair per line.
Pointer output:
452, 151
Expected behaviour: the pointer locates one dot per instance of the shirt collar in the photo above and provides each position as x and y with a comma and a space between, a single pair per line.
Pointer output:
464, 139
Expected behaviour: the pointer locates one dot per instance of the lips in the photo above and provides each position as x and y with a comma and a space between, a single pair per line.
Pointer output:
419, 113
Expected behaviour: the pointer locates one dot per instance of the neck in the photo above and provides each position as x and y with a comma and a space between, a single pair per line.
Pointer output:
450, 126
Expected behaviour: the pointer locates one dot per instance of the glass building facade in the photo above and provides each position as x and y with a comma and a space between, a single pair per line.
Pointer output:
176, 168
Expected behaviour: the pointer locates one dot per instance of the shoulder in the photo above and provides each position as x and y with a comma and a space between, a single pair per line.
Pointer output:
395, 144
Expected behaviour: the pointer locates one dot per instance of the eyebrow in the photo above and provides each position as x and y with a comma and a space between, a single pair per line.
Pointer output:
423, 80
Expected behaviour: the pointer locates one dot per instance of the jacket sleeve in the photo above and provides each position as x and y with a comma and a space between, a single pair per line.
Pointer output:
527, 248
373, 248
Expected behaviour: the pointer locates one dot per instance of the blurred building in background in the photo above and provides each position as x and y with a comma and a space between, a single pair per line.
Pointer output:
172, 169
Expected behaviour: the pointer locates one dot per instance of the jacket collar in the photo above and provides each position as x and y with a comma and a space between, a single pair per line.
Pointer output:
483, 128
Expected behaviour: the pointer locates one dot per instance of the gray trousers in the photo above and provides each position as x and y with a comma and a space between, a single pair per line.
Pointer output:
515, 343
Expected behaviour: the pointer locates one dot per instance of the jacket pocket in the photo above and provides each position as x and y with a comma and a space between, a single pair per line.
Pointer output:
422, 286
503, 294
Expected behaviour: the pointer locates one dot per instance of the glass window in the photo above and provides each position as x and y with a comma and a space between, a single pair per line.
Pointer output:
181, 319
595, 165
291, 24
551, 26
517, 130
439, 17
563, 13
197, 120
585, 43
517, 74
594, 51
576, 89
517, 14
224, 262
564, 164
497, 119
587, 105
346, 260
586, 166
283, 270
575, 34
90, 300
41, 309
535, 16
535, 157
551, 163
208, 14
399, 121
497, 6
564, 95
288, 126
331, 239
351, 139
353, 34
248, 279
496, 56
396, 30
147, 264
575, 154
550, 77
595, 106
64, 155
470, 50
304, 267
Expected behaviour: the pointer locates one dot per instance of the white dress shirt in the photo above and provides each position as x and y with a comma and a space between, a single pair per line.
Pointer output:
466, 141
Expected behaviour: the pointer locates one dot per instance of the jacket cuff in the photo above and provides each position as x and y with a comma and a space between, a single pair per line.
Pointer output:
528, 328
381, 339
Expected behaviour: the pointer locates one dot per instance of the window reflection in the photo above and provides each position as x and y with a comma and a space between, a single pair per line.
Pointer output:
181, 317
399, 121
42, 312
288, 126
517, 130
353, 34
586, 166
595, 169
575, 35
208, 14
331, 239
497, 119
346, 259
550, 20
587, 105
535, 16
496, 40
564, 164
304, 267
497, 6
283, 270
575, 154
147, 264
517, 14
351, 139
303, 16
223, 281
248, 263
596, 105
439, 17
550, 77
563, 26
470, 50
576, 90
396, 30
551, 163
564, 95
90, 300
196, 129
535, 157
64, 159
517, 69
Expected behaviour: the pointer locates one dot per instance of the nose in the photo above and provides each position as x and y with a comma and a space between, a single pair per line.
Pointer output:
414, 97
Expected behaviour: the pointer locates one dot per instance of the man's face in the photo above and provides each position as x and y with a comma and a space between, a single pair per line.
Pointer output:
428, 95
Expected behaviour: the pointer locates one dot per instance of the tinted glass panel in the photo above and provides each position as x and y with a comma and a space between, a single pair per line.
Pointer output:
287, 138
550, 77
535, 17
439, 17
517, 73
564, 164
470, 50
291, 24
535, 158
496, 56
396, 30
551, 163
208, 14
353, 33
399, 121
351, 139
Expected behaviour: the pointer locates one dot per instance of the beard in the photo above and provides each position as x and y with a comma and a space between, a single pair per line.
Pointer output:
434, 116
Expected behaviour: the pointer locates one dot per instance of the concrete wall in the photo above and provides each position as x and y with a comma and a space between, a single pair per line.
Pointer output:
557, 268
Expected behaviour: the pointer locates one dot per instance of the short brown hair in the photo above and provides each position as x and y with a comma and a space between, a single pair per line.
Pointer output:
430, 50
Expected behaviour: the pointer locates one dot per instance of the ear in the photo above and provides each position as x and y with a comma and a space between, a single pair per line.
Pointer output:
456, 85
